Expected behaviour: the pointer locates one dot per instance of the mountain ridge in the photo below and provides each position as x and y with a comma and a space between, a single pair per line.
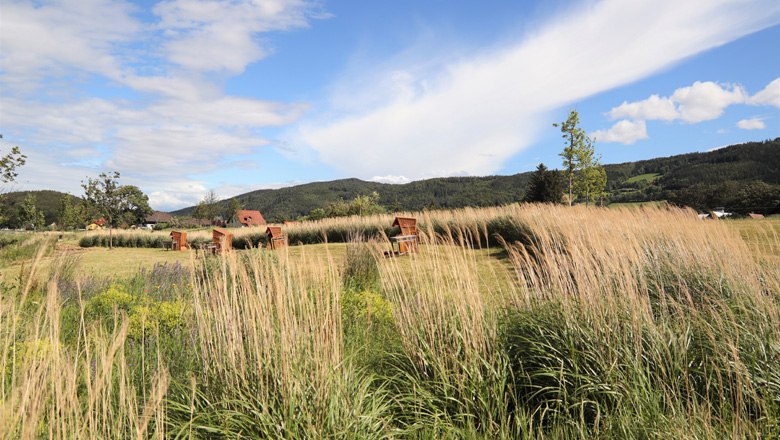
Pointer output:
742, 177
678, 178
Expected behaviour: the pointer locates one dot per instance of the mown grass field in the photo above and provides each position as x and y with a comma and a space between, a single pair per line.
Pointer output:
584, 323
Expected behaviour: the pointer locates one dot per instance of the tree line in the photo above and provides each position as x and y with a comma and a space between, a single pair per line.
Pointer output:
583, 178
743, 178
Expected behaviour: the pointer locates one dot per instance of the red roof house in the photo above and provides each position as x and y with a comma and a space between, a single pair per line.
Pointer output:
249, 218
159, 217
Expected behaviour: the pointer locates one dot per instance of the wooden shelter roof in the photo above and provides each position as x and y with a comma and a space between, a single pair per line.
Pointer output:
274, 231
217, 232
404, 222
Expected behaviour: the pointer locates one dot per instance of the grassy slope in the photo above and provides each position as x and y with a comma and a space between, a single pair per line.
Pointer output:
649, 177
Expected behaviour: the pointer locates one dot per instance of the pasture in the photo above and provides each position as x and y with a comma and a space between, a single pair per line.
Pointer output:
575, 323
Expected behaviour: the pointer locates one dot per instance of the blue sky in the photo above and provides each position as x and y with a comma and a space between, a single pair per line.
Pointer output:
184, 96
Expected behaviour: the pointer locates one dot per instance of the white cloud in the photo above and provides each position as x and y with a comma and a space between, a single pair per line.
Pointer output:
43, 38
168, 118
469, 115
625, 132
653, 107
210, 35
418, 115
177, 194
751, 124
699, 102
704, 101
769, 96
396, 180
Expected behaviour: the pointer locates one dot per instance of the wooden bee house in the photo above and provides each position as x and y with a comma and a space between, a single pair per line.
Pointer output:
276, 239
221, 240
178, 240
407, 240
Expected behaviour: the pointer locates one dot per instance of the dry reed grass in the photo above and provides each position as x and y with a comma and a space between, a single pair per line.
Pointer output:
621, 323
58, 391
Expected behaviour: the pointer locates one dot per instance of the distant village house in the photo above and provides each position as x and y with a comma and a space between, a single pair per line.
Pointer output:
248, 218
96, 224
157, 217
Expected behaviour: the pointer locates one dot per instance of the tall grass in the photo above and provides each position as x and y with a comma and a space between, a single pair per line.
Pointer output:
81, 390
667, 322
24, 247
632, 323
331, 230
270, 339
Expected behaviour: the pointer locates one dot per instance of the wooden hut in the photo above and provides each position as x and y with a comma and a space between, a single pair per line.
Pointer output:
178, 240
276, 239
221, 240
407, 239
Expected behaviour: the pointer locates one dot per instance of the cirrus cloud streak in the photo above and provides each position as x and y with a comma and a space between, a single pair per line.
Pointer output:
467, 116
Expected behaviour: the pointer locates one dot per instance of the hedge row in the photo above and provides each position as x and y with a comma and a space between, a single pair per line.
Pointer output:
507, 227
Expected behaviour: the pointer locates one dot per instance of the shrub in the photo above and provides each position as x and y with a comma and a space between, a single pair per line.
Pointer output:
102, 305
361, 272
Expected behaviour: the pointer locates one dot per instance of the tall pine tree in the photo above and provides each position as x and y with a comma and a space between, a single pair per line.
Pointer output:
545, 186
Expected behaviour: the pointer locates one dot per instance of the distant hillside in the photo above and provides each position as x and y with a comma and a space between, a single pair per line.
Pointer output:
450, 192
47, 201
744, 177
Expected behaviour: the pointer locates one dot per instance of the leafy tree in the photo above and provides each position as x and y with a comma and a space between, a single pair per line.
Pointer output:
8, 172
545, 186
585, 176
575, 139
136, 204
114, 202
578, 149
29, 216
232, 206
590, 182
317, 214
365, 205
9, 163
208, 207
72, 215
360, 205
103, 195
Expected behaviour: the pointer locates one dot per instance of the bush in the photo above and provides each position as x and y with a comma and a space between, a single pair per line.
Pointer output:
146, 315
361, 271
249, 241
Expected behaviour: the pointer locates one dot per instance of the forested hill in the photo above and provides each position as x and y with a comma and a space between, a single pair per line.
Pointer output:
449, 192
743, 177
47, 201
